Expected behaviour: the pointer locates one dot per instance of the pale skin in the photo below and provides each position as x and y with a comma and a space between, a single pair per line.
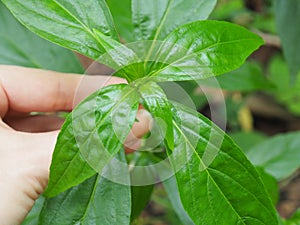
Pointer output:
27, 142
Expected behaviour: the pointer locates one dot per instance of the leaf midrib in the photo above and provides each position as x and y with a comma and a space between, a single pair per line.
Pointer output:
158, 30
78, 20
196, 53
90, 198
207, 172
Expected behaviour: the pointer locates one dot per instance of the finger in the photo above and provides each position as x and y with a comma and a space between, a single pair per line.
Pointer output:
34, 124
25, 163
28, 90
132, 147
4, 125
139, 129
3, 102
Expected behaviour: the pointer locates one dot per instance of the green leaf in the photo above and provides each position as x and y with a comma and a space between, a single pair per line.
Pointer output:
271, 185
27, 49
246, 140
33, 217
140, 195
295, 219
285, 93
214, 177
203, 49
121, 12
248, 77
68, 23
118, 57
154, 19
156, 102
279, 155
287, 19
170, 186
96, 201
92, 135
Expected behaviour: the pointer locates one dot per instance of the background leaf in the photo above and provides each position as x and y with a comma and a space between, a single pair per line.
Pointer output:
68, 23
249, 77
270, 184
154, 19
287, 20
214, 177
246, 140
295, 219
279, 155
95, 201
285, 93
19, 46
91, 136
203, 49
121, 12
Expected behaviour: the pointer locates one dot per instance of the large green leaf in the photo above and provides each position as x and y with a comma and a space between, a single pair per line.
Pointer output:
287, 15
96, 201
69, 23
217, 184
92, 135
203, 49
19, 46
279, 156
156, 102
154, 19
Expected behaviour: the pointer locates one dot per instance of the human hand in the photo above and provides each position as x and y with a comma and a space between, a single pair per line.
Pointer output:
27, 141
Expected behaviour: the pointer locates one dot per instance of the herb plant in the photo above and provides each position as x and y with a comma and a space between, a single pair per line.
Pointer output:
92, 181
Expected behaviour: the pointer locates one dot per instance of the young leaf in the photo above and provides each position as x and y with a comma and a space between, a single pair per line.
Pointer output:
152, 26
156, 102
279, 156
68, 23
27, 49
213, 175
287, 20
91, 136
203, 49
96, 201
